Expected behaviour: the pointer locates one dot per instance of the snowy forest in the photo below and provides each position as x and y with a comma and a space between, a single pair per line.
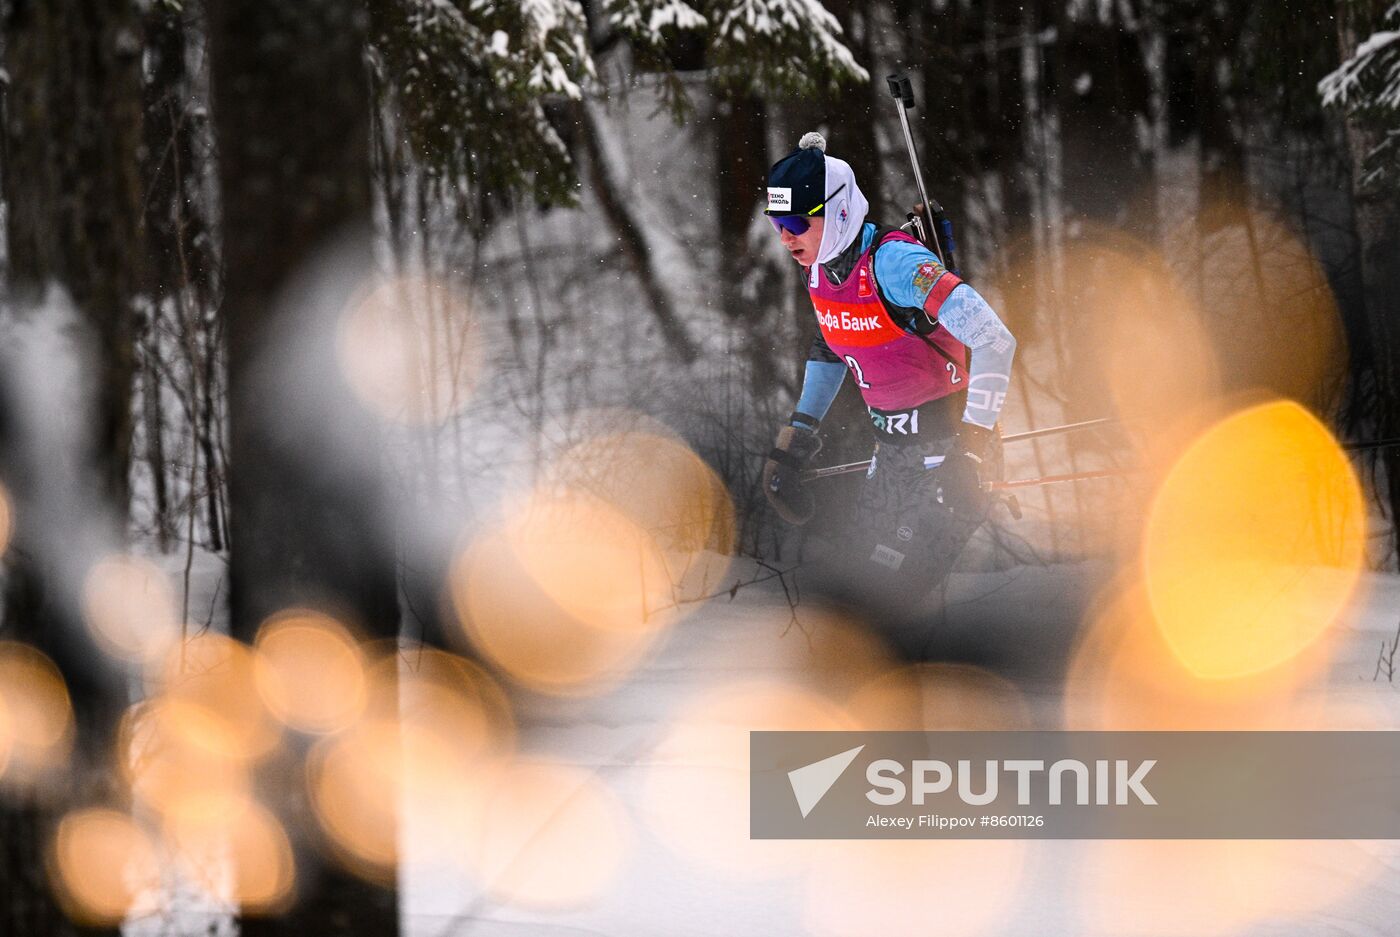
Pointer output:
385, 394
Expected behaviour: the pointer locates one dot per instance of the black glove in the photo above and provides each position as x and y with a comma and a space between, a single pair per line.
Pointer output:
782, 475
959, 479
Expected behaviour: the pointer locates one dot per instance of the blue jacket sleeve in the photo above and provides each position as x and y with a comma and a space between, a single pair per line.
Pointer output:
820, 385
969, 319
907, 272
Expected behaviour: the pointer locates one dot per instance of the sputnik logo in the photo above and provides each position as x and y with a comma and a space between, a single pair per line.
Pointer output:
811, 782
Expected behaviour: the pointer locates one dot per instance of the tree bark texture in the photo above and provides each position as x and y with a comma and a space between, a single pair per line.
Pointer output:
291, 110
72, 184
72, 134
741, 169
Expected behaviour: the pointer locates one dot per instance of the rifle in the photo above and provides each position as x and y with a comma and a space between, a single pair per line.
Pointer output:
929, 222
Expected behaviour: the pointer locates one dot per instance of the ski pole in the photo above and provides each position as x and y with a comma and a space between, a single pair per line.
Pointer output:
1055, 430
1374, 444
1113, 473
1057, 479
849, 467
933, 214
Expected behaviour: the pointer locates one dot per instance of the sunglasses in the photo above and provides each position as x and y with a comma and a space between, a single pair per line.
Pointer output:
797, 225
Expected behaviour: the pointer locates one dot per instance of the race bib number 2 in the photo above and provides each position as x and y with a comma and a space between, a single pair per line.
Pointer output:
854, 365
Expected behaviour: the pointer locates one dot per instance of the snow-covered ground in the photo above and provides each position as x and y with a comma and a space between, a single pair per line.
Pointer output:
685, 867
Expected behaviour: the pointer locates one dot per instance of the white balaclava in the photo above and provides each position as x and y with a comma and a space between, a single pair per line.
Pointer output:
845, 211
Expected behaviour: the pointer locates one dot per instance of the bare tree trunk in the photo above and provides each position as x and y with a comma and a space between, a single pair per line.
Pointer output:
181, 265
73, 188
1152, 49
38, 614
1000, 115
291, 105
1222, 156
741, 165
945, 134
176, 212
1378, 234
27, 908
155, 435
1036, 164
752, 293
71, 137
853, 111
628, 228
213, 474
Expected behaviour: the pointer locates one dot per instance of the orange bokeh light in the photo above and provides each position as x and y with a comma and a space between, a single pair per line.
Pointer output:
410, 350
7, 520
310, 671
435, 731
1255, 541
1204, 888
452, 696
211, 699
939, 697
1263, 280
592, 561
7, 735
129, 607
165, 769
101, 863
538, 823
39, 731
234, 849
902, 886
656, 481
1125, 676
1131, 308
512, 616
704, 759
355, 780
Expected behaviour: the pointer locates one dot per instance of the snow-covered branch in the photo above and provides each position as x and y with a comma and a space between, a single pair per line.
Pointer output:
1371, 77
650, 22
789, 44
471, 78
